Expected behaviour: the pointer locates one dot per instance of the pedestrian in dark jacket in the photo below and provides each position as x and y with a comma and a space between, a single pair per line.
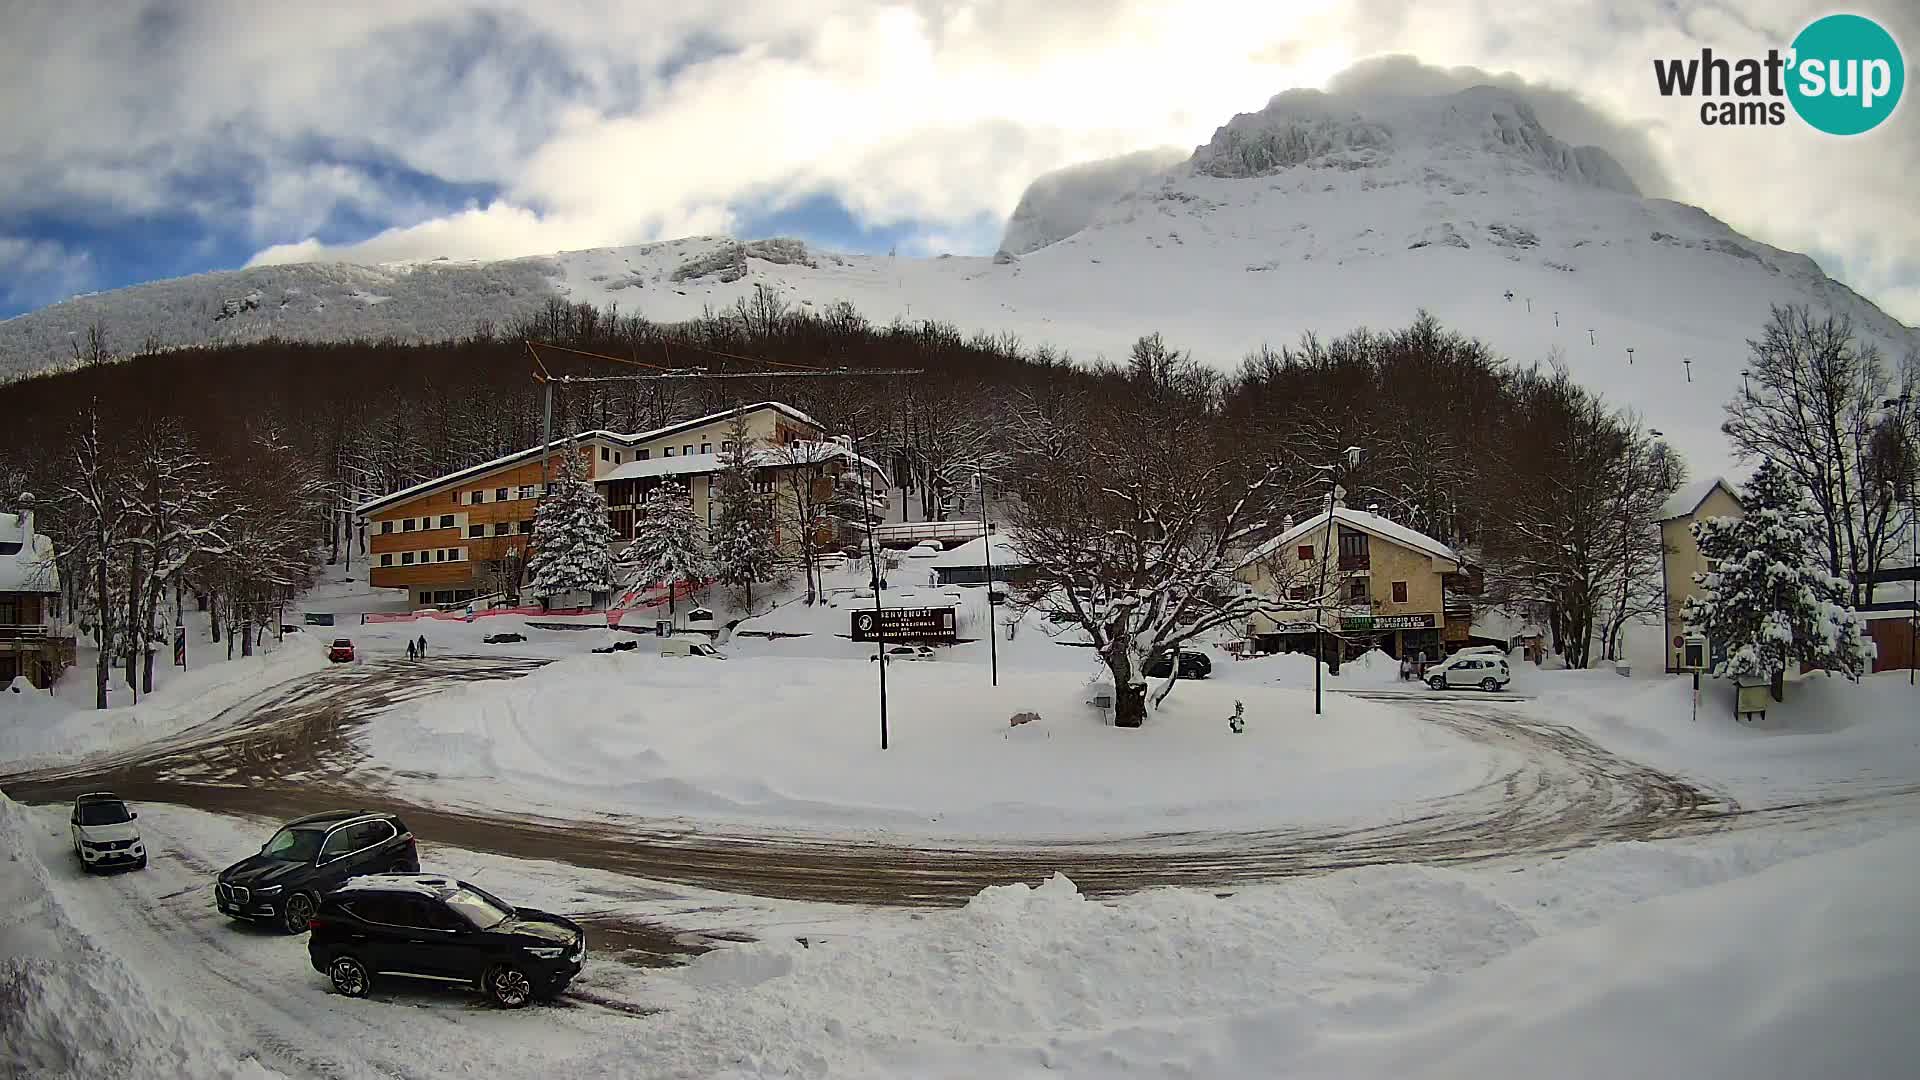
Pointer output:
423, 646
410, 653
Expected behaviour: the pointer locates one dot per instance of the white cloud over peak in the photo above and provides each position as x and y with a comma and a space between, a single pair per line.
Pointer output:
588, 124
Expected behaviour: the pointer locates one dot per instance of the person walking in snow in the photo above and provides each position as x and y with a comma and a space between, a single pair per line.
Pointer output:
410, 653
423, 646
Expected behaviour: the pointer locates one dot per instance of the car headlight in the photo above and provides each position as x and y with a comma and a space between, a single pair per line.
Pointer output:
270, 890
554, 953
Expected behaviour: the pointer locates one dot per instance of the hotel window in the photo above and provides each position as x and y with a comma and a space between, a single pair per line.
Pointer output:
446, 521
387, 559
668, 452
479, 497
386, 526
640, 455
706, 448
529, 491
605, 454
616, 457
476, 530
526, 528
1399, 592
726, 446
406, 558
500, 495
1300, 592
501, 528
687, 450
1304, 552
1357, 590
407, 525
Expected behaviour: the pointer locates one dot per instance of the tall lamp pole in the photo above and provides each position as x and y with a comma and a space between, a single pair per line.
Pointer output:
1352, 458
1910, 435
986, 543
873, 556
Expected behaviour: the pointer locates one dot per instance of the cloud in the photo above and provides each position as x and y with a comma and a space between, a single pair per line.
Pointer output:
35, 272
531, 128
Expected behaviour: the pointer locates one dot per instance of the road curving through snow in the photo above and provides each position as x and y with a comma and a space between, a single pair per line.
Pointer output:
294, 750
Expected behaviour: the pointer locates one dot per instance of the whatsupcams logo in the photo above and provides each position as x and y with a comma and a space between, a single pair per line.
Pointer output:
1843, 75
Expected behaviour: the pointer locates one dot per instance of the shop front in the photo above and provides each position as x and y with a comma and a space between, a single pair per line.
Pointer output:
1397, 635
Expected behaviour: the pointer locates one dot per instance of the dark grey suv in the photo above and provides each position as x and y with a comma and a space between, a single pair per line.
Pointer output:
310, 857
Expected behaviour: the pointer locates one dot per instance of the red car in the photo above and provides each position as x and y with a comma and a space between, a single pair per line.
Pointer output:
341, 651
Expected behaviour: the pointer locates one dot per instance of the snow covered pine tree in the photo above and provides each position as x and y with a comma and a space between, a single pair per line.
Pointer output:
572, 540
743, 544
667, 545
1769, 600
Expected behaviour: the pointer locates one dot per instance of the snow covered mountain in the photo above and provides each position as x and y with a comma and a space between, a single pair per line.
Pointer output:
1317, 213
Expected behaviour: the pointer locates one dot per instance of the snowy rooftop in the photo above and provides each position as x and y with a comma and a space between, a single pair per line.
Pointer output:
974, 553
560, 444
696, 464
1364, 521
423, 884
26, 563
1690, 496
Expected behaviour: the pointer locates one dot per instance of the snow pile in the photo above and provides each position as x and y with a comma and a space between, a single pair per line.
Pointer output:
1387, 972
1831, 737
794, 741
41, 729
71, 1009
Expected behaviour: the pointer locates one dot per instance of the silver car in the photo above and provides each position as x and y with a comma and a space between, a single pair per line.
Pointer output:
1469, 669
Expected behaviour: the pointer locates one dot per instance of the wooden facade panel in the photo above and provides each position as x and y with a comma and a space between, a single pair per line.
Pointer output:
414, 541
442, 574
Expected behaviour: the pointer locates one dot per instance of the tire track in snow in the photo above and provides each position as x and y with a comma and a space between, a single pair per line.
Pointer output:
1547, 789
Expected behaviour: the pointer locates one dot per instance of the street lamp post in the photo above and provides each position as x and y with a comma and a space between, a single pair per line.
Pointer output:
1910, 436
1352, 459
873, 556
986, 544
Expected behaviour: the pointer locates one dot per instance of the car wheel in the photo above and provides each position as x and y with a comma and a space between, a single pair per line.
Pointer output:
1489, 685
350, 977
509, 987
298, 910
1437, 682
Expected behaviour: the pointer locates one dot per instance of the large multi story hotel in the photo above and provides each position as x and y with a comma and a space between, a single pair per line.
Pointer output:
449, 539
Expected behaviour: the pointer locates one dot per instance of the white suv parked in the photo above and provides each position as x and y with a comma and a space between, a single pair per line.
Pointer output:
1470, 669
104, 834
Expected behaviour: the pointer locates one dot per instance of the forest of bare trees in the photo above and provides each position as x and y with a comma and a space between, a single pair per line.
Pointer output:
227, 473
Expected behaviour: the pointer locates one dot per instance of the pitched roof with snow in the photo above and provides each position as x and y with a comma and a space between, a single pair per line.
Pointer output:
974, 553
26, 562
429, 486
1688, 499
1367, 522
799, 453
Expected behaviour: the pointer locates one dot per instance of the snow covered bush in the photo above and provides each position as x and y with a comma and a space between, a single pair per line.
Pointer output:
1768, 600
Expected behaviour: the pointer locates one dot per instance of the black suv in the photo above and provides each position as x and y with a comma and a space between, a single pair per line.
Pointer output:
1193, 665
435, 928
310, 857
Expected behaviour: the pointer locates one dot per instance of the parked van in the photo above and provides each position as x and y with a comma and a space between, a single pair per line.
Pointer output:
683, 647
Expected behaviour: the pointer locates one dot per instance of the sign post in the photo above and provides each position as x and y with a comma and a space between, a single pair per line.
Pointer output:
902, 624
179, 645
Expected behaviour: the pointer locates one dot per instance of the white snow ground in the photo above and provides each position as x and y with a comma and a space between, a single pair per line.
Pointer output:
1783, 952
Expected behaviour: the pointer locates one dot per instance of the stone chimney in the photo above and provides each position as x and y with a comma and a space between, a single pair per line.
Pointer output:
26, 520
1286, 523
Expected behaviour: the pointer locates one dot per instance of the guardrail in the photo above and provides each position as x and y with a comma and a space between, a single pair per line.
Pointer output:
24, 632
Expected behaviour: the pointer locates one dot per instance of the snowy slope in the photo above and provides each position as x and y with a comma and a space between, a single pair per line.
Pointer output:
1315, 214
